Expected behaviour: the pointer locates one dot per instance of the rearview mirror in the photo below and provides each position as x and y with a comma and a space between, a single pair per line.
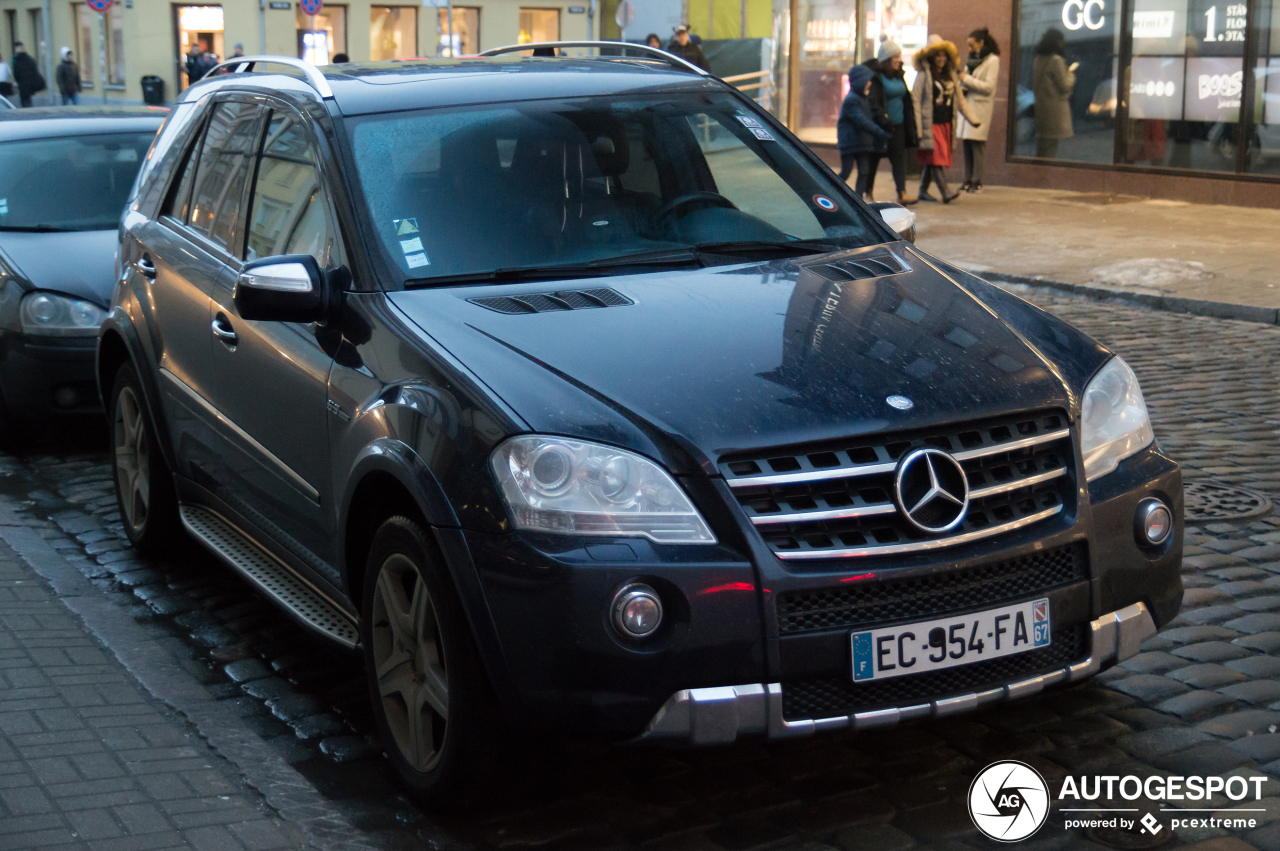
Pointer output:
287, 288
898, 217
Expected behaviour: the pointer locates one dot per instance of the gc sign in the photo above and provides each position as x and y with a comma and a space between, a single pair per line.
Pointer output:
1088, 14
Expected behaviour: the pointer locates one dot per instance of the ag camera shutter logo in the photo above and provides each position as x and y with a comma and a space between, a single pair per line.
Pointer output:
1008, 801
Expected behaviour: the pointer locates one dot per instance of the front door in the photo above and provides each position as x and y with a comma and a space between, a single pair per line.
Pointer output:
272, 377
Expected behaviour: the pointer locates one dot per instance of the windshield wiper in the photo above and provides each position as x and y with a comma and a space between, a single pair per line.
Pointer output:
589, 269
796, 248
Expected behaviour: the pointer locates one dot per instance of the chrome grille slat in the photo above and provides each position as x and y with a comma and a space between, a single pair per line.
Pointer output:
836, 499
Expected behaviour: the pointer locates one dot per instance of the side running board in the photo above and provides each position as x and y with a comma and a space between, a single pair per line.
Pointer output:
307, 605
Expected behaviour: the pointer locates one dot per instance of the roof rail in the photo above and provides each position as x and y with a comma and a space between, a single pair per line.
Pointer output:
244, 64
649, 52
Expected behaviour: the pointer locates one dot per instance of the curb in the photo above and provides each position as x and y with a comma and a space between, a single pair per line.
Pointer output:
1168, 303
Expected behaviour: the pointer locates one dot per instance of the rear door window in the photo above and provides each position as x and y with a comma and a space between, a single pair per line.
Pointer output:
222, 172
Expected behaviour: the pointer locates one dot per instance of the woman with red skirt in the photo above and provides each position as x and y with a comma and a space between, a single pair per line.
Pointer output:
936, 96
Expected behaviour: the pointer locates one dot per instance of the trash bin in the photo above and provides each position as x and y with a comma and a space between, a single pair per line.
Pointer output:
152, 90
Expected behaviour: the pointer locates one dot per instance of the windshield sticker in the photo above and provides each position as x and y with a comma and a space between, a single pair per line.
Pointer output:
417, 260
4, 206
825, 203
405, 227
761, 134
409, 246
748, 121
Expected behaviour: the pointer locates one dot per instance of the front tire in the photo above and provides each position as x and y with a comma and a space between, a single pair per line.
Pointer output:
430, 697
144, 487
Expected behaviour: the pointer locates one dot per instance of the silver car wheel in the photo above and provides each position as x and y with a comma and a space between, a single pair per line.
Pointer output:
409, 662
131, 451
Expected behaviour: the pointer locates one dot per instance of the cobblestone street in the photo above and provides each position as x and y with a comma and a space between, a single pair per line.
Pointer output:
1202, 698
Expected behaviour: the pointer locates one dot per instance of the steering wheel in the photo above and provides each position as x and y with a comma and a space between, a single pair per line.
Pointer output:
714, 199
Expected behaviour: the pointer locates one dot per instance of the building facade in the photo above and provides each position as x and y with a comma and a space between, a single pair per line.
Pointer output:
140, 38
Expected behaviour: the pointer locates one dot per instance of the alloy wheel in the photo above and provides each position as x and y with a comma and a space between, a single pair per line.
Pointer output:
132, 458
408, 659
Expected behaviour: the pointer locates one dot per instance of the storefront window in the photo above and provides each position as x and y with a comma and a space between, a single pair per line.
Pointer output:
86, 27
906, 22
322, 36
537, 25
115, 45
828, 49
393, 32
1065, 100
465, 29
1264, 148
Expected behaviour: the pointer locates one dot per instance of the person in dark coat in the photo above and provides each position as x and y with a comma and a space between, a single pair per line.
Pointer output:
895, 98
68, 79
26, 74
686, 49
194, 61
861, 140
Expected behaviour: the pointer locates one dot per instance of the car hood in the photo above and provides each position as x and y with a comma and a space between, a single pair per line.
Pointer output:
740, 358
80, 263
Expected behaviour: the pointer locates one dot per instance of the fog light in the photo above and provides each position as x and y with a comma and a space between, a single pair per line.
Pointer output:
637, 611
1154, 522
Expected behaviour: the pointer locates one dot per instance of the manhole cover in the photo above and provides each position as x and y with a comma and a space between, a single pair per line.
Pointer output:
1126, 839
1208, 501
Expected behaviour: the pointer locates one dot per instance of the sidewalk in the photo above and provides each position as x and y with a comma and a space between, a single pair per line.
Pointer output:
89, 759
1211, 260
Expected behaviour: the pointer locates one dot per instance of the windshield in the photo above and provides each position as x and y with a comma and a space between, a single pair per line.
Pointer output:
455, 192
68, 183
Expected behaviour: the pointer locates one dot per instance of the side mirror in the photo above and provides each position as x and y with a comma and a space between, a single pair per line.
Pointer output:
287, 288
898, 217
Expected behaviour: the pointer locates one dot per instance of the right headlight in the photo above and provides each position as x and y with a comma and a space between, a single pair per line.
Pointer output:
1113, 419
50, 314
553, 484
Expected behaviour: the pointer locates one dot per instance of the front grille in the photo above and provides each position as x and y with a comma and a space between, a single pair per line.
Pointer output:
829, 697
836, 500
871, 602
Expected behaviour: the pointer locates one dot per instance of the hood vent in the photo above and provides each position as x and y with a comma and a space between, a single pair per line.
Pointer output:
559, 300
862, 267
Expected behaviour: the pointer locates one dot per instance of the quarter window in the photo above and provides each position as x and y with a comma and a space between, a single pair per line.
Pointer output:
222, 172
290, 207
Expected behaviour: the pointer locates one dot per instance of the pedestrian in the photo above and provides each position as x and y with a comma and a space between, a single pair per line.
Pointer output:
936, 96
689, 51
896, 100
652, 40
193, 63
1052, 82
68, 78
207, 63
6, 79
238, 50
860, 138
339, 58
978, 80
26, 75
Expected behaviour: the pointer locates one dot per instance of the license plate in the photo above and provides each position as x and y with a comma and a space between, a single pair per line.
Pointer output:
896, 651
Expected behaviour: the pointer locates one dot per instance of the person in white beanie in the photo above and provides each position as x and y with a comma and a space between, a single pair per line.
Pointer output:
68, 78
891, 95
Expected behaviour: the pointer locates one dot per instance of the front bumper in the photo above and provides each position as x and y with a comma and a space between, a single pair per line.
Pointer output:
713, 716
48, 375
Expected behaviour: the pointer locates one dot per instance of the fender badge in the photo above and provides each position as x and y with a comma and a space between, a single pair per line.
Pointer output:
902, 403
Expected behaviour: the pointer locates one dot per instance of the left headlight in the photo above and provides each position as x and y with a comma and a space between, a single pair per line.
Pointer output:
54, 315
552, 484
1113, 419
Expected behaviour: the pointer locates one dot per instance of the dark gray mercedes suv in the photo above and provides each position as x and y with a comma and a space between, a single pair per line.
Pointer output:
576, 394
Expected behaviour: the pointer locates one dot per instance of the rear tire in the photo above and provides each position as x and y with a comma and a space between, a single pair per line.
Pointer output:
144, 486
432, 702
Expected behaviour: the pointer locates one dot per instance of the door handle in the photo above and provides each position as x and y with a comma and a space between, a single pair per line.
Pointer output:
223, 331
146, 267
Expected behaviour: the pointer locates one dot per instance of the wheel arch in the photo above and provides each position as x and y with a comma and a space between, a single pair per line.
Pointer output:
118, 344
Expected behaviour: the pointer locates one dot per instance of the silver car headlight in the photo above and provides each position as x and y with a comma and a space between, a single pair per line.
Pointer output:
53, 315
1113, 419
553, 484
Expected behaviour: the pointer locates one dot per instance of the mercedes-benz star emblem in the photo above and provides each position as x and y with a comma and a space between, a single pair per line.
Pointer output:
902, 403
931, 490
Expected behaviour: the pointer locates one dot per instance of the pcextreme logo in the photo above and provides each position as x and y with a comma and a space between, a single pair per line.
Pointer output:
1009, 801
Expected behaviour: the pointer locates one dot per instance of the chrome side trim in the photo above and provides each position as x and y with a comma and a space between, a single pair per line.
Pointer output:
889, 467
921, 546
722, 714
306, 604
282, 469
1005, 487
831, 514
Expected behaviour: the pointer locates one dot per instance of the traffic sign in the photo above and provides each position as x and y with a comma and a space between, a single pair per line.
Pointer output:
626, 14
99, 5
311, 7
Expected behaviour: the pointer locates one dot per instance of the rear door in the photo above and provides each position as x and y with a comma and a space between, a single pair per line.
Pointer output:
187, 252
272, 377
